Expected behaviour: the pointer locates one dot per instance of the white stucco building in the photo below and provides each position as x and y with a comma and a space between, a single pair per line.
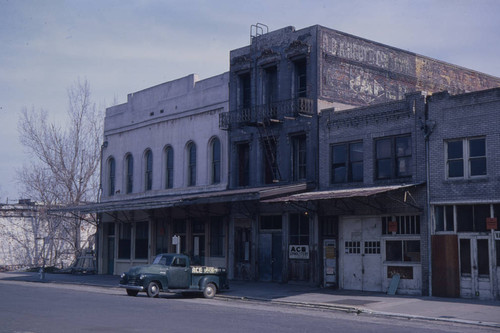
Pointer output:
161, 148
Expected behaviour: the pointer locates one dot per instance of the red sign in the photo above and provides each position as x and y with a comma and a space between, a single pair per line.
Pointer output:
491, 223
393, 226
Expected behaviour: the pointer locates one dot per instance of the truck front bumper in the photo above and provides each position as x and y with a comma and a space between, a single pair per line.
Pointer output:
127, 286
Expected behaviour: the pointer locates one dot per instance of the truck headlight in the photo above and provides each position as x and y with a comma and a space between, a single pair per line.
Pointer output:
142, 276
123, 275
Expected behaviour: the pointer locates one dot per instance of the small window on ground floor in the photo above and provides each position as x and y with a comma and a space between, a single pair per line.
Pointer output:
402, 250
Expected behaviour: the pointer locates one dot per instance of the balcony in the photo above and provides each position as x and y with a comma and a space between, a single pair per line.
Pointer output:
252, 116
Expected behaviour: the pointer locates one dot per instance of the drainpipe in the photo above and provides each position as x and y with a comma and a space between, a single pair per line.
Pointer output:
427, 127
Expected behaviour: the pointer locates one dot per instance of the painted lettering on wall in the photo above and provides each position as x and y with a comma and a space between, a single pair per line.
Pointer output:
298, 252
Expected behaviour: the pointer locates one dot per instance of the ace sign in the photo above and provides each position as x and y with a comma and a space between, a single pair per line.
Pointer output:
298, 252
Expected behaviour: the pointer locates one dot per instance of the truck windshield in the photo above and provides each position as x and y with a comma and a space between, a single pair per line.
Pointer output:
162, 260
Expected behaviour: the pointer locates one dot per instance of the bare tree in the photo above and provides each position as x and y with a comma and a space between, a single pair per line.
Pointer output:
64, 167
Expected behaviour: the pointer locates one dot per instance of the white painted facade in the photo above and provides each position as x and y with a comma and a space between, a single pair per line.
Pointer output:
173, 114
363, 257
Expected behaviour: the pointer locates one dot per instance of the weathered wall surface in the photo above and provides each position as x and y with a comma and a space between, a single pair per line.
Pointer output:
356, 71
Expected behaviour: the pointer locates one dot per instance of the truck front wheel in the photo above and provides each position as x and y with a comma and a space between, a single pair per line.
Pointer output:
210, 290
131, 292
153, 289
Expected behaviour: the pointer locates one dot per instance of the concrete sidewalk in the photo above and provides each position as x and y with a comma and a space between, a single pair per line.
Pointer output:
483, 313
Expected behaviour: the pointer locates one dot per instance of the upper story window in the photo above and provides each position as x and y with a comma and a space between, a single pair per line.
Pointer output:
111, 176
300, 78
148, 175
299, 157
347, 162
243, 163
244, 91
393, 157
191, 164
270, 85
466, 158
271, 172
216, 161
129, 173
169, 167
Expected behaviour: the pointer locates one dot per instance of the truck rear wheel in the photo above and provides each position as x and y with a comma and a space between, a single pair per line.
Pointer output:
210, 290
153, 289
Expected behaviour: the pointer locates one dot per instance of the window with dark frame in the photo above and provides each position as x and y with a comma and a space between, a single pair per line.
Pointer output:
300, 78
346, 162
270, 164
466, 158
169, 167
443, 218
270, 85
299, 157
191, 164
216, 161
162, 238
149, 170
393, 157
217, 236
130, 173
405, 224
179, 229
124, 240
112, 176
299, 229
245, 91
141, 240
402, 250
243, 151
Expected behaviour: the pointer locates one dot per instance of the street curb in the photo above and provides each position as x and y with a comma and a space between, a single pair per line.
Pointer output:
359, 310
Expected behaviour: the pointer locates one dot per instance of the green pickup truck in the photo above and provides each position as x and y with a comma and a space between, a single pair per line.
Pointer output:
173, 273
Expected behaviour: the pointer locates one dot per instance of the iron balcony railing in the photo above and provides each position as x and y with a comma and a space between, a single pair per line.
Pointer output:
281, 110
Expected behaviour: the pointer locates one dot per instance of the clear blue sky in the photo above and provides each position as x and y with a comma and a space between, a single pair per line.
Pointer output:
122, 46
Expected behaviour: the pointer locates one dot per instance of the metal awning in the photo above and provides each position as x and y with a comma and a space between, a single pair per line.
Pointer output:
339, 194
165, 201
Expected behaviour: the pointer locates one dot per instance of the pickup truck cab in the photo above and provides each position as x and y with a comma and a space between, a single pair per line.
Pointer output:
173, 273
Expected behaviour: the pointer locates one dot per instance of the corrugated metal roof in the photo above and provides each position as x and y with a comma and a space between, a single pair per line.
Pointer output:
164, 201
339, 194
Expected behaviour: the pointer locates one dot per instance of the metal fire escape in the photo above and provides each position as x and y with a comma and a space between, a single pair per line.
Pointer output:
270, 144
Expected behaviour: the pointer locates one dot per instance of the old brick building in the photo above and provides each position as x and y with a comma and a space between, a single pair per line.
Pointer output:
464, 191
306, 162
278, 86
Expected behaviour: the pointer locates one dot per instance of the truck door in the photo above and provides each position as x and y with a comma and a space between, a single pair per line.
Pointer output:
179, 274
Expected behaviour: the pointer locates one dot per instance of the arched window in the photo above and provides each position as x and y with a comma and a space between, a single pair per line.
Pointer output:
169, 167
129, 174
216, 154
191, 164
148, 175
112, 176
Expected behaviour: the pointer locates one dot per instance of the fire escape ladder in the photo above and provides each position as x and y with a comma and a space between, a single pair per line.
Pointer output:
270, 144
